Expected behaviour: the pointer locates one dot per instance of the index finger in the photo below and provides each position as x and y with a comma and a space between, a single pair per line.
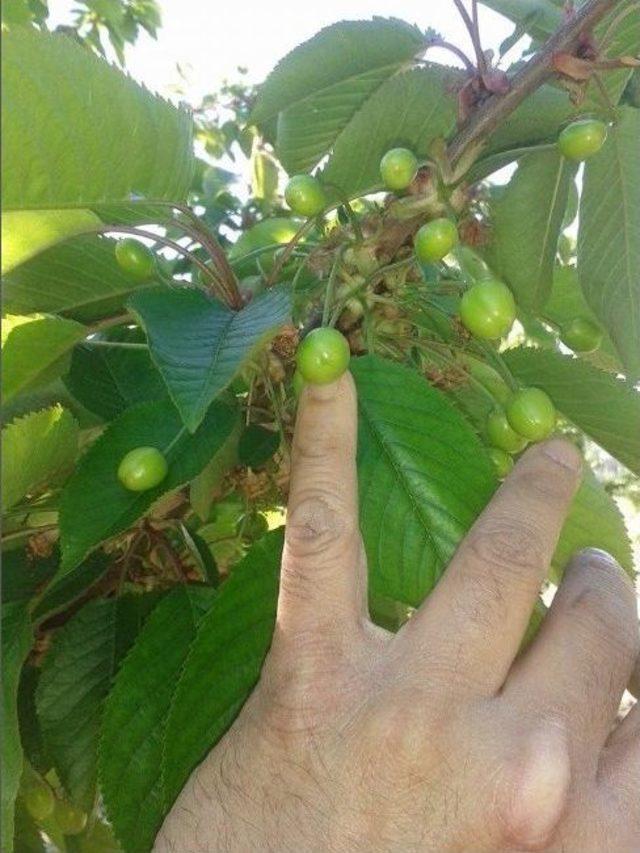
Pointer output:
323, 574
484, 600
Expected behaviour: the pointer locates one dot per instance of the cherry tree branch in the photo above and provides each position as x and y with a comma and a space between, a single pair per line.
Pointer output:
495, 109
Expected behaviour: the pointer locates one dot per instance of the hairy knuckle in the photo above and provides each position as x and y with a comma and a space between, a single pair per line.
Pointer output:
508, 545
316, 523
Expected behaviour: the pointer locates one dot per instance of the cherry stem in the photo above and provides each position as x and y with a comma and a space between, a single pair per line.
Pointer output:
286, 253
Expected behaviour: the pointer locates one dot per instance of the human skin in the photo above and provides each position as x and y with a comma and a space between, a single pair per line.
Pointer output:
441, 737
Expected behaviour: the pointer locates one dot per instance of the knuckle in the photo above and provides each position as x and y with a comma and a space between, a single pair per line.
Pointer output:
508, 545
317, 524
533, 789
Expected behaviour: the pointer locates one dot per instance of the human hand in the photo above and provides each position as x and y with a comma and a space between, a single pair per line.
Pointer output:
440, 738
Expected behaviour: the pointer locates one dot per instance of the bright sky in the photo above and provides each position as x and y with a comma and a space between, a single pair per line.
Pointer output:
210, 38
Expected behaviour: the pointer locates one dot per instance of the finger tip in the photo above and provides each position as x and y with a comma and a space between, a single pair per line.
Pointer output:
562, 452
342, 387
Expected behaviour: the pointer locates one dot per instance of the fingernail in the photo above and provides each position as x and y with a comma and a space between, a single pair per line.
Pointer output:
563, 453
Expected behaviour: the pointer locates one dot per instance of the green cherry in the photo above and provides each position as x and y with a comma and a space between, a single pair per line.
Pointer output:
398, 168
502, 462
305, 195
582, 139
531, 413
70, 819
323, 356
142, 469
502, 435
134, 258
38, 799
435, 240
488, 309
581, 335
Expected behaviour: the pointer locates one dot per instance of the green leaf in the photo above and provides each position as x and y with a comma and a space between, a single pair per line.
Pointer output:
618, 34
322, 83
23, 574
257, 445
30, 734
224, 663
608, 242
16, 643
605, 408
135, 717
107, 138
198, 344
62, 593
76, 677
594, 521
27, 232
203, 487
38, 450
567, 302
98, 839
35, 351
43, 398
95, 506
540, 18
108, 380
79, 278
423, 478
527, 220
410, 110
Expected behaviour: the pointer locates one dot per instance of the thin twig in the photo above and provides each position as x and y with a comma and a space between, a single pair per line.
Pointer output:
495, 109
288, 249
109, 322
472, 27
217, 255
452, 48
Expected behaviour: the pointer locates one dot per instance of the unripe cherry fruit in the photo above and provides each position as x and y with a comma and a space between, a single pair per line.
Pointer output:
581, 335
134, 258
502, 462
488, 309
583, 138
531, 413
398, 168
323, 356
435, 240
502, 435
305, 195
142, 468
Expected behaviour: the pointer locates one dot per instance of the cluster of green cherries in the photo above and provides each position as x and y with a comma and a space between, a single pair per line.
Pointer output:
487, 311
42, 804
